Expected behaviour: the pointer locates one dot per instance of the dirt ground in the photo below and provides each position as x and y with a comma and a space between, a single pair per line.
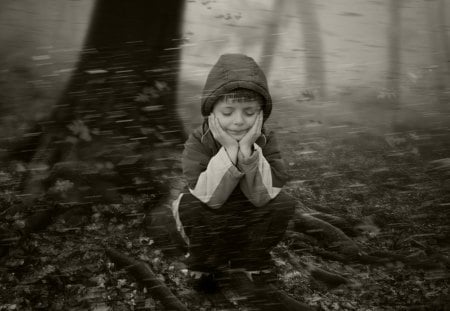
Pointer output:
395, 185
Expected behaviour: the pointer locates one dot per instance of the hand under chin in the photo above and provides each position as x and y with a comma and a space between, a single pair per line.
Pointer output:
238, 137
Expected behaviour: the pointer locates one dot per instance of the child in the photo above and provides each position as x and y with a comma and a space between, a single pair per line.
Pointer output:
234, 211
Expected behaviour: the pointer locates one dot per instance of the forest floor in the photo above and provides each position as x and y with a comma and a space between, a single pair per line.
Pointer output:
395, 184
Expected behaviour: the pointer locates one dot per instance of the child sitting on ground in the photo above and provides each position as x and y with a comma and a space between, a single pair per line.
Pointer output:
234, 211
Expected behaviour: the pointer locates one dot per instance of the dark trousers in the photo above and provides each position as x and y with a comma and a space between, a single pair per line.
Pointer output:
237, 234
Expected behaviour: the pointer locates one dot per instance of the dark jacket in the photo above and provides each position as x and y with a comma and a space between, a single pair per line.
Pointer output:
210, 174
214, 180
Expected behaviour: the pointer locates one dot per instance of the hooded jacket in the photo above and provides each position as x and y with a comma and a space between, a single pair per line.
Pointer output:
234, 71
211, 176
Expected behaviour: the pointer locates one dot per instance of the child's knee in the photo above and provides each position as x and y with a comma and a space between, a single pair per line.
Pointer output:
193, 212
189, 209
282, 205
188, 199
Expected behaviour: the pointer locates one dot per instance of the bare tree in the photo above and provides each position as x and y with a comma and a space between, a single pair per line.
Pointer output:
117, 118
115, 129
312, 42
271, 40
394, 29
440, 50
442, 18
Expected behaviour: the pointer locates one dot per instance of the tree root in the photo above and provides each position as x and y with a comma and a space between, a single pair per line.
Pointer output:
263, 296
434, 261
144, 275
318, 275
348, 227
340, 246
326, 233
311, 230
330, 255
330, 279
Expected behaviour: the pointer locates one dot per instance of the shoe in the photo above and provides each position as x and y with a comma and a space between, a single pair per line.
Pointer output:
203, 282
204, 262
263, 277
242, 290
253, 263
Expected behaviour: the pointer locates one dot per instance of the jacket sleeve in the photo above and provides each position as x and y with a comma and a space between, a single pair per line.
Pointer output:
264, 173
211, 179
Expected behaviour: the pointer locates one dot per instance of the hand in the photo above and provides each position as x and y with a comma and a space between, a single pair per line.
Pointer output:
219, 134
230, 144
246, 143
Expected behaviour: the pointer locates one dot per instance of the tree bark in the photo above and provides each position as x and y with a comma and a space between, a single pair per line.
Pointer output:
115, 130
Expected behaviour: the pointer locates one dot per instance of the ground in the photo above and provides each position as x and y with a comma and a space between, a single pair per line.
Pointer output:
394, 186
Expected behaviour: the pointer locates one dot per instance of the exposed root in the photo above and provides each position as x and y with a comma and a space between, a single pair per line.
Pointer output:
144, 275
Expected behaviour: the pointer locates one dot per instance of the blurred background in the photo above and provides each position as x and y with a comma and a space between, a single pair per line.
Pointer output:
371, 63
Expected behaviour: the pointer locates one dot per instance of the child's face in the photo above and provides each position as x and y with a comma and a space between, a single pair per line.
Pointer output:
236, 117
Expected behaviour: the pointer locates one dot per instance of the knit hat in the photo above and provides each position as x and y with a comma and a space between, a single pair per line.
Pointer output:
233, 71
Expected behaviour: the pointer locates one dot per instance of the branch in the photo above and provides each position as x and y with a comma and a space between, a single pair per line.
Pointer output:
326, 233
144, 275
345, 225
328, 278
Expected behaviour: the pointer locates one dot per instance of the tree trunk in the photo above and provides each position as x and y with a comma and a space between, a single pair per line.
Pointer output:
312, 43
394, 69
445, 39
328, 234
440, 52
115, 130
271, 39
